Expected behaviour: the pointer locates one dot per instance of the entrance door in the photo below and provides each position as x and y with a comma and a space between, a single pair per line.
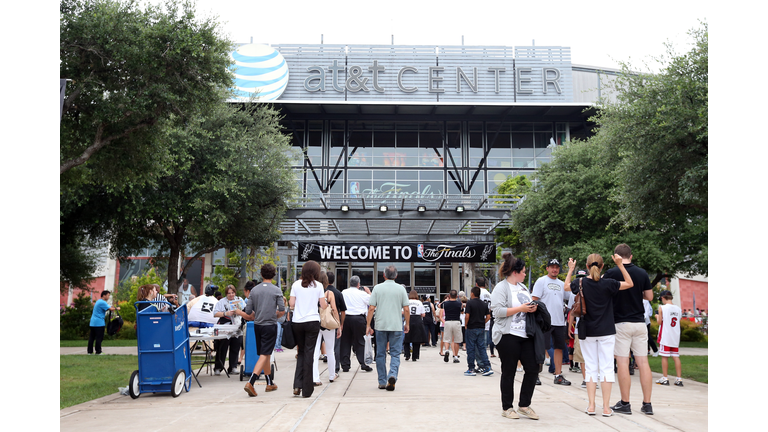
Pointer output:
445, 281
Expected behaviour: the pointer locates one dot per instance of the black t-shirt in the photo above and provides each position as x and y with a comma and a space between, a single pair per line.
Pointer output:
452, 310
628, 305
427, 310
599, 297
477, 310
340, 305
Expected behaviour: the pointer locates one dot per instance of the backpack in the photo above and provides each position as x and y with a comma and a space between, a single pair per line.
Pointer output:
114, 325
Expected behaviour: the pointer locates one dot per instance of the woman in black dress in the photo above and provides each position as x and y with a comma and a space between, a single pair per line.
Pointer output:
417, 333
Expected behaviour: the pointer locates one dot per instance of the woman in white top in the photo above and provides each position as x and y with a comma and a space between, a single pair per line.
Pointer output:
303, 301
510, 302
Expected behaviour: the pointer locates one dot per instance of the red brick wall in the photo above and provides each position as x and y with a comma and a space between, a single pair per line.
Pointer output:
687, 290
97, 286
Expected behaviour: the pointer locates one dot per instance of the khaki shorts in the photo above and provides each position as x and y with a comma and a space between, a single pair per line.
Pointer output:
631, 336
452, 331
577, 357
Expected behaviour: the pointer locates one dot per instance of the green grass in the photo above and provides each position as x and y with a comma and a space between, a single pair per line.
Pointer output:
694, 368
105, 343
88, 377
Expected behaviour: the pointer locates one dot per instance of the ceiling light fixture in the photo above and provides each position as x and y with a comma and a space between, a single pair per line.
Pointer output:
459, 209
422, 208
345, 208
382, 208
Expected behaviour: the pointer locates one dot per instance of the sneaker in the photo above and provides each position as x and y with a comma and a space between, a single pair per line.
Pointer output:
470, 372
583, 384
325, 359
456, 360
479, 370
528, 412
489, 372
662, 381
391, 383
546, 361
216, 372
538, 381
679, 382
620, 408
655, 353
510, 413
646, 409
574, 369
562, 381
270, 388
250, 390
366, 368
382, 387
445, 356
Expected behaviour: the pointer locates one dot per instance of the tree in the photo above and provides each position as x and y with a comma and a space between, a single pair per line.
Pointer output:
658, 131
132, 72
570, 214
230, 188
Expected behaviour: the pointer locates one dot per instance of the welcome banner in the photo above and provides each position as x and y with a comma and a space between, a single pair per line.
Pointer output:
398, 252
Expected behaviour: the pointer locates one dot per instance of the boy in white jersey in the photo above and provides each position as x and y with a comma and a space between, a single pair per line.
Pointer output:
669, 337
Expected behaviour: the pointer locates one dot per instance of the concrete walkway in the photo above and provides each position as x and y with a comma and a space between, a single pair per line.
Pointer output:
430, 394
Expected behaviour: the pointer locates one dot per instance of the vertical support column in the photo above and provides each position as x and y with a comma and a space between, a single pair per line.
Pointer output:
375, 274
413, 276
455, 274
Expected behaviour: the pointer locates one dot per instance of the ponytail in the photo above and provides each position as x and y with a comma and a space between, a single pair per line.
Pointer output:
511, 264
594, 264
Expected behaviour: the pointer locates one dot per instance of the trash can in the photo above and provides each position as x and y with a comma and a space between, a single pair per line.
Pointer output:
251, 354
163, 348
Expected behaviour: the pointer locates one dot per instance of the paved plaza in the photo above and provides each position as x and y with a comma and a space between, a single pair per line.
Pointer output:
430, 395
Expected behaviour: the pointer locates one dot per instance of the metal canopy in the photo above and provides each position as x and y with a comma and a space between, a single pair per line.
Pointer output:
320, 217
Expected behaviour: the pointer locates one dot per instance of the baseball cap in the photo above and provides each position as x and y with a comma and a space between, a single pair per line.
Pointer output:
553, 261
580, 273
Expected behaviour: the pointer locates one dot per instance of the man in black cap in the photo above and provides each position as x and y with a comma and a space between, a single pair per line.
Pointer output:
550, 290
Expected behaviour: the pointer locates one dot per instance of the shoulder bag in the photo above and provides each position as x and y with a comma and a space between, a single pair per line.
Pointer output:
579, 306
288, 340
327, 320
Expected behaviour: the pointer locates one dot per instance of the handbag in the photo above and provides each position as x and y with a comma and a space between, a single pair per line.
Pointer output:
327, 320
114, 325
579, 306
368, 353
288, 340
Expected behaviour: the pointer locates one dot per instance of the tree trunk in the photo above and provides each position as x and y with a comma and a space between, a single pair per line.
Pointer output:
173, 270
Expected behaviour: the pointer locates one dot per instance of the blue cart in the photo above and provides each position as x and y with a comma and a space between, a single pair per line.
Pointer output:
252, 355
163, 348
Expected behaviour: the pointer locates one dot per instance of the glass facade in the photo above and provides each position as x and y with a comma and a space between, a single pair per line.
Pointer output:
425, 157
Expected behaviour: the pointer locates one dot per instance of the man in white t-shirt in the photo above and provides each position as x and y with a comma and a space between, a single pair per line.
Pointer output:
201, 308
550, 290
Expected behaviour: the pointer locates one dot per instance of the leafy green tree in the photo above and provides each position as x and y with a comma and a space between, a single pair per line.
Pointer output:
133, 71
658, 134
230, 189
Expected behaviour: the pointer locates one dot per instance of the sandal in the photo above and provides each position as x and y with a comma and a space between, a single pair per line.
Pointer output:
608, 415
589, 412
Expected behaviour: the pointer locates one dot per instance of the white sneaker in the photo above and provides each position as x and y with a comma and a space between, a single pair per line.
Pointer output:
655, 353
216, 372
546, 361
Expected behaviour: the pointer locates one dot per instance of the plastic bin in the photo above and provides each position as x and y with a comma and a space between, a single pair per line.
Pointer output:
163, 348
251, 354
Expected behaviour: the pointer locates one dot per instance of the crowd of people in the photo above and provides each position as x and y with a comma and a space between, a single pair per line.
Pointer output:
596, 322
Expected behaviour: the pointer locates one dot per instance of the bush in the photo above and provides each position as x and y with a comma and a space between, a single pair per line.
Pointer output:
74, 321
127, 332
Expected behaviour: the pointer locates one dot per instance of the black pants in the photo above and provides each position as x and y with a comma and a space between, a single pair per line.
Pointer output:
416, 350
222, 346
429, 325
337, 351
435, 334
96, 335
352, 336
651, 342
306, 337
511, 349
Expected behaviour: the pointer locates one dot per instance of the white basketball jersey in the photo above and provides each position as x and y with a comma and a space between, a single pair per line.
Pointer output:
670, 325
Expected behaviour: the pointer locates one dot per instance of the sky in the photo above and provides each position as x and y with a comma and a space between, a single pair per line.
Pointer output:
599, 33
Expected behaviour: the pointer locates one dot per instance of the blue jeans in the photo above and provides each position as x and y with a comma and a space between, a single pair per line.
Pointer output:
395, 339
476, 347
279, 336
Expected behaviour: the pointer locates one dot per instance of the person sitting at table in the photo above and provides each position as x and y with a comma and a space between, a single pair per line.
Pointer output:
151, 292
226, 311
201, 309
